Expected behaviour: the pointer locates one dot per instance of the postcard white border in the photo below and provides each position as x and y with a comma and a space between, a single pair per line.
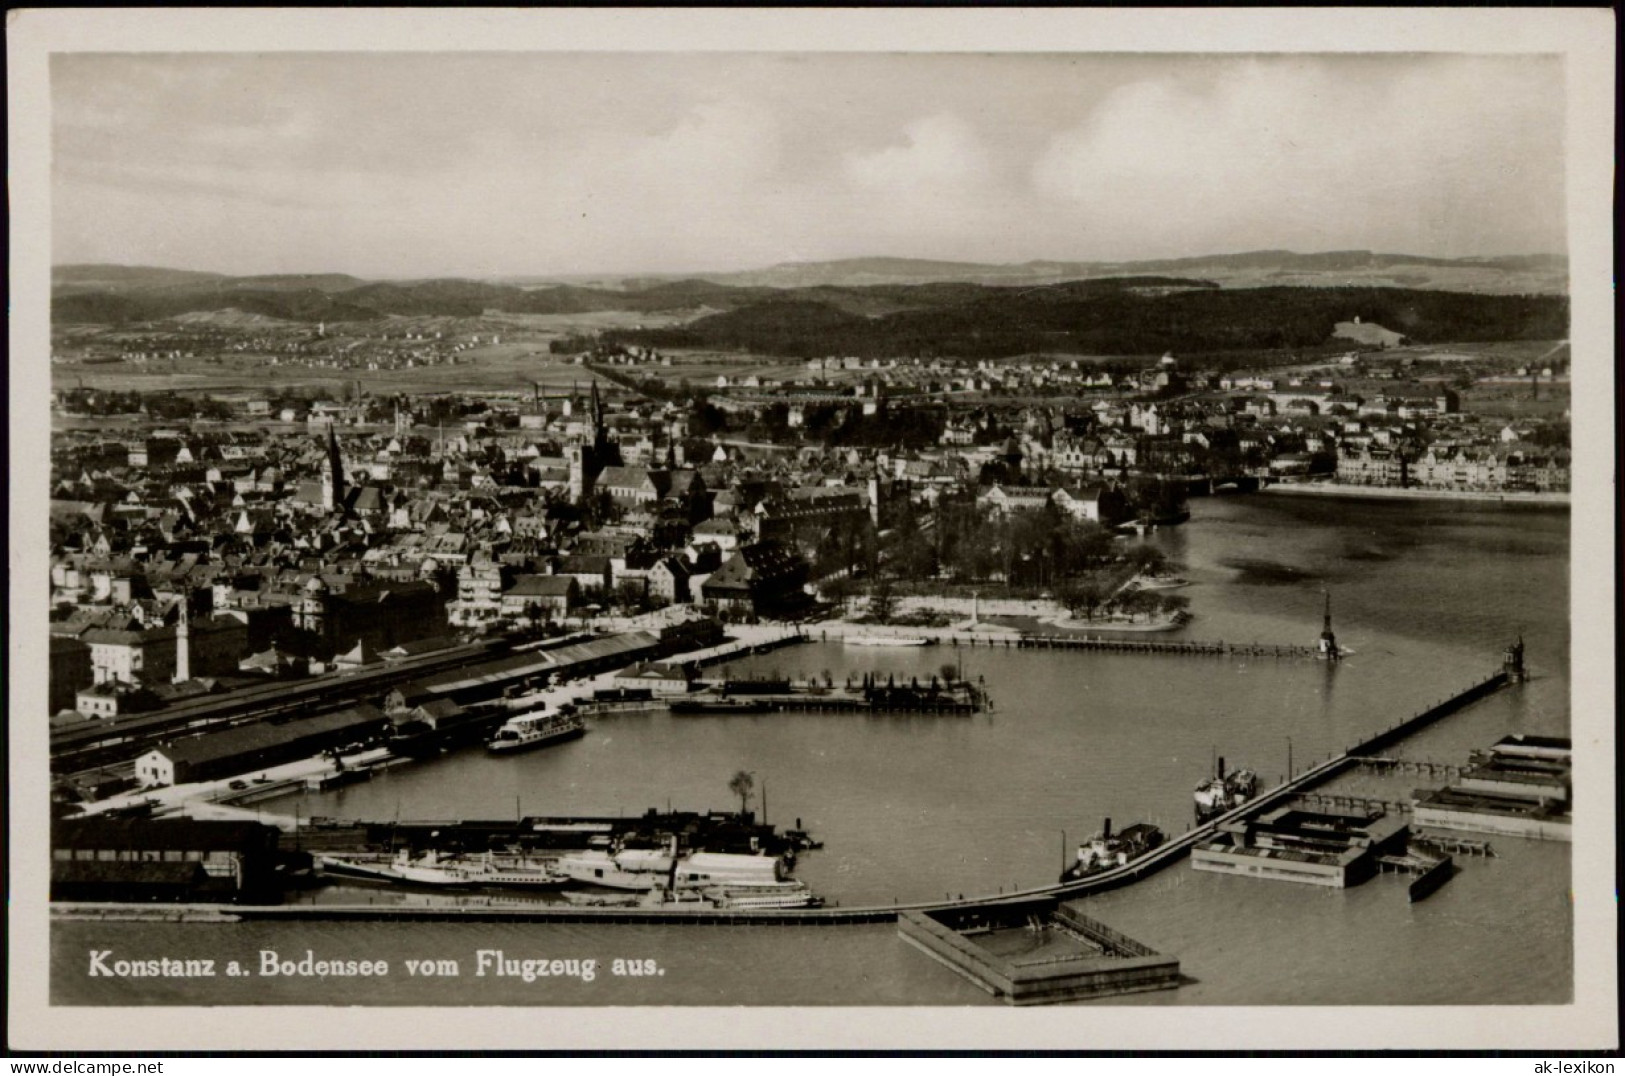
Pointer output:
1583, 36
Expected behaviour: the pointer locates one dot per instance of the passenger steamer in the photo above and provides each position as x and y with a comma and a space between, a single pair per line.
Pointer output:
437, 869
1106, 850
1224, 792
537, 729
726, 879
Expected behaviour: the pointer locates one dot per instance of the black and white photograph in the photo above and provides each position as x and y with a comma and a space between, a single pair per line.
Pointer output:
812, 528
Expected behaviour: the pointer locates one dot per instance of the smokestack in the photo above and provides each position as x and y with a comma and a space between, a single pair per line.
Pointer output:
1221, 767
1106, 830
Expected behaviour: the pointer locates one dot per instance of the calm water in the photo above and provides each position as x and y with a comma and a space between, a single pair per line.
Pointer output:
914, 808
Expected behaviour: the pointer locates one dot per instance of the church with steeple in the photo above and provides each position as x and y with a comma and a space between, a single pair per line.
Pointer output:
333, 476
595, 451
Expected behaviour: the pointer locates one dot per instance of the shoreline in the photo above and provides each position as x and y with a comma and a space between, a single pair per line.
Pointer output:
1378, 493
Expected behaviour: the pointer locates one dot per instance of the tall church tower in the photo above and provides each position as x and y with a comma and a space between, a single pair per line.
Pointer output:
333, 478
578, 471
597, 418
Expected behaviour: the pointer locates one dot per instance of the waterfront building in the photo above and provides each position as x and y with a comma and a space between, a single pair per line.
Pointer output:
1521, 786
758, 580
246, 748
145, 860
662, 679
1292, 844
1093, 504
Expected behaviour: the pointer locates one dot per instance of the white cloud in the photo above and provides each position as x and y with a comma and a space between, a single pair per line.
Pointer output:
465, 164
1312, 154
939, 151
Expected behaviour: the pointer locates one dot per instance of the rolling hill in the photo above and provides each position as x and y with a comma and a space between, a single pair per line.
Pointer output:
1262, 299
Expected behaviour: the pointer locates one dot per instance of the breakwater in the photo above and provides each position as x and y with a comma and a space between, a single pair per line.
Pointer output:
1442, 708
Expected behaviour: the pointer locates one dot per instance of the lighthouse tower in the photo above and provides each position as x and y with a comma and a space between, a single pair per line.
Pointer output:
1327, 647
1512, 663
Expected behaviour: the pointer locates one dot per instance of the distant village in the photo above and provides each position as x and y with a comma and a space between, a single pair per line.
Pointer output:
241, 538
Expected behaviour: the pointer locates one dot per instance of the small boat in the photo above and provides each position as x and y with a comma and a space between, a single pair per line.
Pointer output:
536, 729
886, 640
1160, 582
435, 869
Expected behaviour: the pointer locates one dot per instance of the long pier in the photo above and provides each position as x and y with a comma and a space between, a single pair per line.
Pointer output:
1135, 870
1127, 644
1165, 646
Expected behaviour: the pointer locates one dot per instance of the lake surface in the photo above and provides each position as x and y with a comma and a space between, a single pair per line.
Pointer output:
1425, 595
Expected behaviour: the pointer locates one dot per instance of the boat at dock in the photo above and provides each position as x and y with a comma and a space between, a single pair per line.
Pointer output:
537, 728
746, 880
1224, 792
1106, 849
886, 640
718, 898
434, 868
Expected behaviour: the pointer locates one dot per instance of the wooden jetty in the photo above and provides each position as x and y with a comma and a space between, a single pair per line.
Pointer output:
1192, 647
959, 698
1357, 803
1127, 643
1461, 846
1446, 770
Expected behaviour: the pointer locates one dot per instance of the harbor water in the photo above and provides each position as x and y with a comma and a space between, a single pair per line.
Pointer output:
1424, 595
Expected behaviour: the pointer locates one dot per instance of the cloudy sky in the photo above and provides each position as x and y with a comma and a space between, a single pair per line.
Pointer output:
481, 164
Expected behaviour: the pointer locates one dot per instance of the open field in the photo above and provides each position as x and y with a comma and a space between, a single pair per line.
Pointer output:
513, 374
520, 359
1517, 400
